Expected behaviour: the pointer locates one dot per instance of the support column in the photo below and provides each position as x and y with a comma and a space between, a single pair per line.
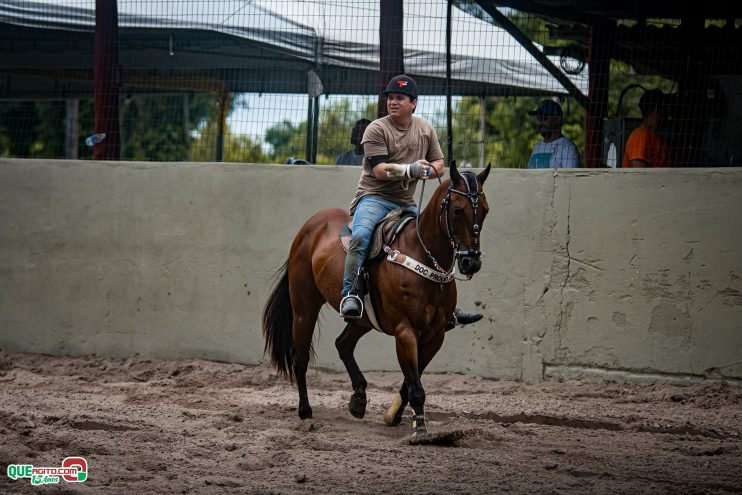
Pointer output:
599, 64
221, 124
315, 131
391, 53
310, 132
449, 111
187, 125
107, 80
72, 128
482, 129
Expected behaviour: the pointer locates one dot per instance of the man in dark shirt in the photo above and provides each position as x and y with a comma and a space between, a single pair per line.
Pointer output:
354, 156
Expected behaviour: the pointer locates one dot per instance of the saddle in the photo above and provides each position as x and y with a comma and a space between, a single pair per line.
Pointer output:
385, 233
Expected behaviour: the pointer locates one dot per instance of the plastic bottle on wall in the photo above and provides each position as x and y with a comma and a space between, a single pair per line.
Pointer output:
95, 139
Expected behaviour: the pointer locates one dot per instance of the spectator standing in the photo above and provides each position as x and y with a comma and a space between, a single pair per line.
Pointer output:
554, 150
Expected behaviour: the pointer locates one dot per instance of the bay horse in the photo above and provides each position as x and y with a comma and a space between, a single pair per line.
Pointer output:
413, 309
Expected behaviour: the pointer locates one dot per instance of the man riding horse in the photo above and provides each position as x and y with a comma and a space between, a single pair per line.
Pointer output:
413, 302
399, 150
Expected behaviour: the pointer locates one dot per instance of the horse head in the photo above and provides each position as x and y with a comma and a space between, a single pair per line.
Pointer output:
463, 210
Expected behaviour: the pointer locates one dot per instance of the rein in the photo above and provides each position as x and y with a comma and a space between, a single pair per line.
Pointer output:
417, 228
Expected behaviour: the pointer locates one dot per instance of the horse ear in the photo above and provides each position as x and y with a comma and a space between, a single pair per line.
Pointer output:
483, 175
455, 176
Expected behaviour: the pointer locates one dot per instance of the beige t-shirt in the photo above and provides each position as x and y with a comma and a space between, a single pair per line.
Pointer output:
382, 137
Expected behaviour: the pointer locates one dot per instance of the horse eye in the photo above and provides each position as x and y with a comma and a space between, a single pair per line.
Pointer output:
457, 212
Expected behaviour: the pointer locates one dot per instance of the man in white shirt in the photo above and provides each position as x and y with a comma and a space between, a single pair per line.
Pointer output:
554, 150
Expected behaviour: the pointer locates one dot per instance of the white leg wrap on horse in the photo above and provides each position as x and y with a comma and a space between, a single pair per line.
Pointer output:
392, 411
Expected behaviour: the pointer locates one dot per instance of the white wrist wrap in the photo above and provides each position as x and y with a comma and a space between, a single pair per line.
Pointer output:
397, 170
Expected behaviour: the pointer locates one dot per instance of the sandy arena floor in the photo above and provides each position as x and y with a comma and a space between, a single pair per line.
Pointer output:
155, 426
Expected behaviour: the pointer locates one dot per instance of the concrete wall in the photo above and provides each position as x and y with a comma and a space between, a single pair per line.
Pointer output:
619, 274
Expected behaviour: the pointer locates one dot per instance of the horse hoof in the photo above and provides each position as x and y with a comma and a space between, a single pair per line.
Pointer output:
305, 413
419, 436
419, 426
393, 415
357, 405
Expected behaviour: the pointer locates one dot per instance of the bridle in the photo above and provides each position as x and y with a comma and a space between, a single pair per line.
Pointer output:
473, 198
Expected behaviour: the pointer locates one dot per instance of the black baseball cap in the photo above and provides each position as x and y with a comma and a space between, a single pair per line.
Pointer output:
402, 84
548, 108
650, 99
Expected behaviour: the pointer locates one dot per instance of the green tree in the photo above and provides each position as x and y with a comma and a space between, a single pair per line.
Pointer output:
156, 127
286, 140
336, 121
153, 127
31, 129
237, 148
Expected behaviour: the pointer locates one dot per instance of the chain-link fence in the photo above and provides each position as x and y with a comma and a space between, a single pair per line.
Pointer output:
277, 81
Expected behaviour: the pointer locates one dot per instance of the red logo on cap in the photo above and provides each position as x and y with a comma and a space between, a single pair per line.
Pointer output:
402, 84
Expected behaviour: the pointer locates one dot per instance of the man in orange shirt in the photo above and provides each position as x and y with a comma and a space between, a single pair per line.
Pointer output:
645, 148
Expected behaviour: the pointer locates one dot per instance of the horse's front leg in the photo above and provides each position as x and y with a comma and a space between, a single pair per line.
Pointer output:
407, 354
346, 344
425, 353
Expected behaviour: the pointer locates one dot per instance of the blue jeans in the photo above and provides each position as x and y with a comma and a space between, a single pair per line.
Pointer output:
369, 211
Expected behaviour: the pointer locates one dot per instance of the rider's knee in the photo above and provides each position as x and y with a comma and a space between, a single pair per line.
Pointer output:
359, 240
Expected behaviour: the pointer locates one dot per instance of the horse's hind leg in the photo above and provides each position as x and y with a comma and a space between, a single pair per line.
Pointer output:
303, 330
306, 304
346, 344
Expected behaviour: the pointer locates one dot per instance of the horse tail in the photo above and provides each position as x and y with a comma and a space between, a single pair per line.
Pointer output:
278, 319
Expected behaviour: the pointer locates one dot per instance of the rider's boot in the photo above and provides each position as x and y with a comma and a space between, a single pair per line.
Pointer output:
461, 317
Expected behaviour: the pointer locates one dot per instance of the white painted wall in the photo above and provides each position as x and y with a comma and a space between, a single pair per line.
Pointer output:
607, 273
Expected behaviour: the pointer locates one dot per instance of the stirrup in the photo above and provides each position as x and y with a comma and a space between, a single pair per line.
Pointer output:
352, 314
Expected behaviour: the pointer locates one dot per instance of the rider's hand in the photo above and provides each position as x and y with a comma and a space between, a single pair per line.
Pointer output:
419, 170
